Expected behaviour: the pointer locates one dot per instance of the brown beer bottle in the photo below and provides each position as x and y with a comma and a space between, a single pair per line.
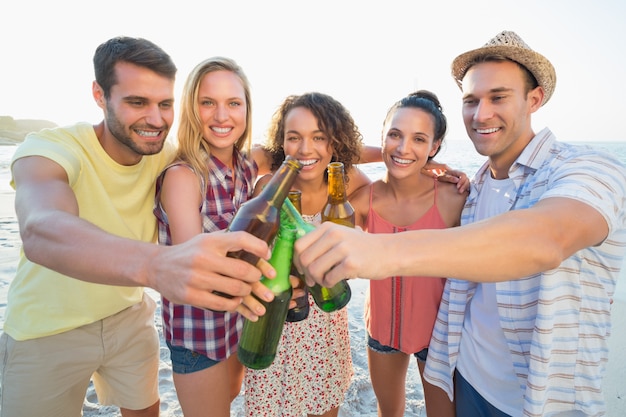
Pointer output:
301, 310
260, 215
337, 210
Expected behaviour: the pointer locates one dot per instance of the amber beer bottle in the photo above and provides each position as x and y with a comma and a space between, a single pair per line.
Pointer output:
259, 339
260, 215
301, 310
337, 210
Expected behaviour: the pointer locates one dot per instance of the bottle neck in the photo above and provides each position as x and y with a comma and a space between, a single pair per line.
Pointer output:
336, 183
289, 215
277, 189
281, 258
295, 196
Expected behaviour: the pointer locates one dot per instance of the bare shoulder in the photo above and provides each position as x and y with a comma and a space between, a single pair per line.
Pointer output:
179, 173
360, 201
261, 182
361, 195
262, 157
448, 191
180, 183
357, 179
450, 202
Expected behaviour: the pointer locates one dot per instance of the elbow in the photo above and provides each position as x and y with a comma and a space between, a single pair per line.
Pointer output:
550, 257
30, 241
30, 252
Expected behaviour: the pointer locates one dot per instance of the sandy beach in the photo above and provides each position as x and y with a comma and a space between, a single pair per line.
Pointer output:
360, 399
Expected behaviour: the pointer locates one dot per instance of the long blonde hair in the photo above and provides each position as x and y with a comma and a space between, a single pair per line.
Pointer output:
192, 149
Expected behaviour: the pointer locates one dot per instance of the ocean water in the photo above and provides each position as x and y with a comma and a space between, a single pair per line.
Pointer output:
6, 152
9, 233
462, 155
456, 154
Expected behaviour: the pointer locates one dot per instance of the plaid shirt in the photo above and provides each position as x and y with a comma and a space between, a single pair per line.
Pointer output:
213, 334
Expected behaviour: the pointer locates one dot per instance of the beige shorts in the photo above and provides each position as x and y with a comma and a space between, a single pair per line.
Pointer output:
49, 376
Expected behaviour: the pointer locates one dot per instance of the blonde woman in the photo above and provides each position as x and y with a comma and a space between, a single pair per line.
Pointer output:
212, 176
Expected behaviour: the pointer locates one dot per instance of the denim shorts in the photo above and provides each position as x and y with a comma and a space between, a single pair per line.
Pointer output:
185, 361
469, 403
377, 347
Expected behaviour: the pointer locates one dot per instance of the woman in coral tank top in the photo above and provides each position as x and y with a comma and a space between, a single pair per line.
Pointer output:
400, 312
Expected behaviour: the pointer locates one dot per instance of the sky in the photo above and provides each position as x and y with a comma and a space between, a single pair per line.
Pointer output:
366, 54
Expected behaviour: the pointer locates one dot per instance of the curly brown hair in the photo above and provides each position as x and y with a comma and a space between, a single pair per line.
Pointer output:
332, 118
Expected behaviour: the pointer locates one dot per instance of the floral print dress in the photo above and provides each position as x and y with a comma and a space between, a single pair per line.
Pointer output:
312, 370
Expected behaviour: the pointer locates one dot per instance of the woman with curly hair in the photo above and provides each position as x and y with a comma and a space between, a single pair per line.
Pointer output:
313, 365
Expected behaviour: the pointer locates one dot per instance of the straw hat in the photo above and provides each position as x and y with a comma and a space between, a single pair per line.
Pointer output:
511, 46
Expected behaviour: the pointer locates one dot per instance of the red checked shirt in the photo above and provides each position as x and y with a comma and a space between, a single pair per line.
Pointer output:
213, 334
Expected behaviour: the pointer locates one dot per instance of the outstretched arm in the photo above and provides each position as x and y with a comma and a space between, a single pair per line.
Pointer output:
54, 236
510, 246
262, 157
370, 154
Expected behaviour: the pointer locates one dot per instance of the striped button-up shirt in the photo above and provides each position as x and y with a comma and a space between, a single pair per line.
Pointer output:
556, 323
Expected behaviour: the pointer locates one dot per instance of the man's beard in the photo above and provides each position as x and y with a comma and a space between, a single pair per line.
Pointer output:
122, 135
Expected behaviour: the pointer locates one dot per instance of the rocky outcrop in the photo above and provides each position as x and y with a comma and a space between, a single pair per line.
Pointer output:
13, 131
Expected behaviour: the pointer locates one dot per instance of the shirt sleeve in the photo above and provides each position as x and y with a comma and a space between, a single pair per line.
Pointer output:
594, 178
48, 144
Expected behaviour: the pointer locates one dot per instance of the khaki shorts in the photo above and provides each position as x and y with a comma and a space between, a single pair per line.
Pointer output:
49, 376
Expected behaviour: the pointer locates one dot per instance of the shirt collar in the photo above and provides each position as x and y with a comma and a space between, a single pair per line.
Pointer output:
532, 155
536, 151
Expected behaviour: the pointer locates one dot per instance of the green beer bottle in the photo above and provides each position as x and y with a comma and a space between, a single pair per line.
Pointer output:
301, 310
259, 339
291, 216
328, 299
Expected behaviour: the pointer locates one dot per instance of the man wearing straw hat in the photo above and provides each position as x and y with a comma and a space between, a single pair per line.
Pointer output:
524, 320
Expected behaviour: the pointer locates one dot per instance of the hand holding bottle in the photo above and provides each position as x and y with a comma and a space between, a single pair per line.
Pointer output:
259, 339
327, 299
337, 210
202, 268
332, 253
260, 216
